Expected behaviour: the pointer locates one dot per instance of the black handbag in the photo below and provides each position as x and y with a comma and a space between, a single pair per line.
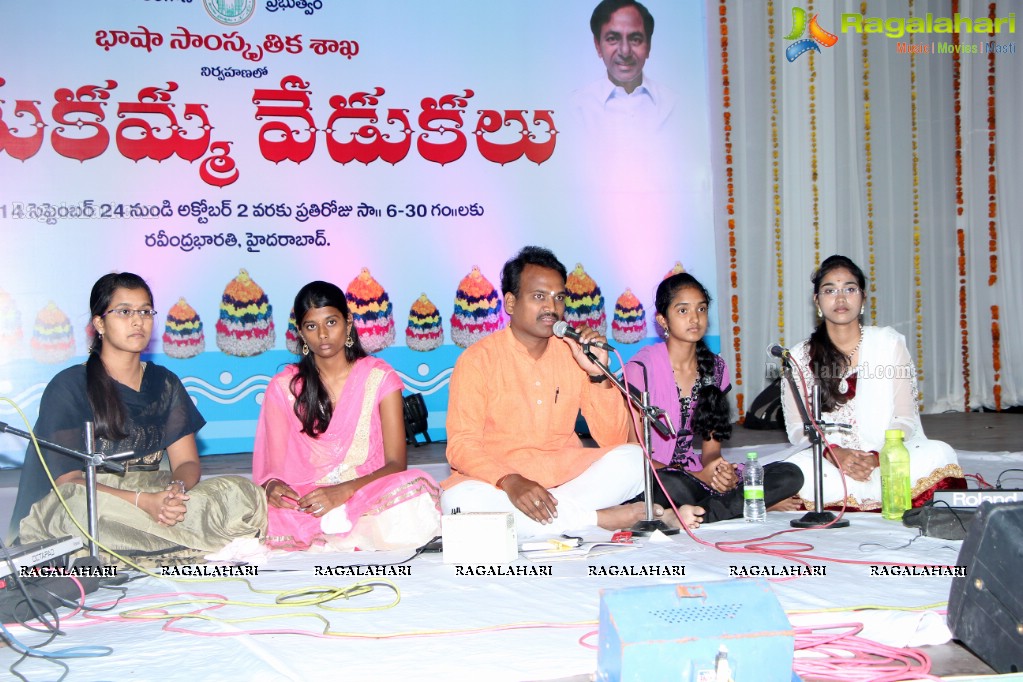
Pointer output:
416, 418
766, 411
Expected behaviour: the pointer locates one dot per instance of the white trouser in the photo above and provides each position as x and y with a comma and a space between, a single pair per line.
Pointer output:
611, 480
926, 457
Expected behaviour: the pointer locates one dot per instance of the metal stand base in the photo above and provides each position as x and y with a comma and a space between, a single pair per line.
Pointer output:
816, 519
647, 527
651, 420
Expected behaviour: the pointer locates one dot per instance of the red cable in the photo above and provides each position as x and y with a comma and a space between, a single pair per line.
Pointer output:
781, 550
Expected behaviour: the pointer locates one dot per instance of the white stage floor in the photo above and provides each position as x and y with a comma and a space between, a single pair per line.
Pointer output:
448, 626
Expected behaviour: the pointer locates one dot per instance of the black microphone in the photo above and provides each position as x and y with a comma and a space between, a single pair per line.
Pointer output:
778, 352
561, 330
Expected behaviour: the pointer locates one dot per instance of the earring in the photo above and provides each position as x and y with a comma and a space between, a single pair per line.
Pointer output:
305, 349
862, 308
349, 341
820, 313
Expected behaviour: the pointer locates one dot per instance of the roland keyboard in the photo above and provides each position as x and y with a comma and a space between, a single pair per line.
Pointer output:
970, 499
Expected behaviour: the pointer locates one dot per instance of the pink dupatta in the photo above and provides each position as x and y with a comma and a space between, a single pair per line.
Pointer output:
352, 446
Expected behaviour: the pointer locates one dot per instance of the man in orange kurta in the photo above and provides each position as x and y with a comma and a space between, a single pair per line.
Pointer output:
512, 407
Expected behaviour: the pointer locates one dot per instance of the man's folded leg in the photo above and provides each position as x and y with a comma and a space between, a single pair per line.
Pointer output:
610, 481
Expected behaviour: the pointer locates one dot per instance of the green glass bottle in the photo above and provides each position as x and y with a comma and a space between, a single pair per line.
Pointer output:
896, 489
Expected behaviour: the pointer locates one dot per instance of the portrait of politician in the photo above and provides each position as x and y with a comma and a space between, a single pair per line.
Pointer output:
625, 119
624, 97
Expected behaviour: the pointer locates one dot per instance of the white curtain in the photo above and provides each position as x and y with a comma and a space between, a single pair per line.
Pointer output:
862, 204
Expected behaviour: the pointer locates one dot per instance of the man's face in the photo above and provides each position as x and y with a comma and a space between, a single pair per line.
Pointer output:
539, 304
624, 47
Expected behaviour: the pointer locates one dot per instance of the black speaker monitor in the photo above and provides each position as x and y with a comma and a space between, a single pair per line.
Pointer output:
985, 607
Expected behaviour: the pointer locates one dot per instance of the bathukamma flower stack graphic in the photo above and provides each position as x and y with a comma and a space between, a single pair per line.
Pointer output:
53, 340
629, 323
246, 325
477, 310
11, 334
425, 331
291, 337
676, 270
372, 312
584, 305
183, 337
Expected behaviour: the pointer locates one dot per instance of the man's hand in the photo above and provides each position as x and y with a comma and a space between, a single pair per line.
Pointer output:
586, 337
530, 498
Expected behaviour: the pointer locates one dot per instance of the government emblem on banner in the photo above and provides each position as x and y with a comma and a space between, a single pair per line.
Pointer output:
230, 12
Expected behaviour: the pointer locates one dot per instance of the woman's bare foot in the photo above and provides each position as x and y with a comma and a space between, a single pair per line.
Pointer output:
788, 504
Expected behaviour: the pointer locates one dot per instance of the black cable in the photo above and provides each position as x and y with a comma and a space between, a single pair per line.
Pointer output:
951, 509
80, 605
998, 481
51, 629
28, 598
419, 550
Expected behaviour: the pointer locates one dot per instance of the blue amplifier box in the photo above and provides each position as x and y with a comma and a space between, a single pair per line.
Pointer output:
718, 631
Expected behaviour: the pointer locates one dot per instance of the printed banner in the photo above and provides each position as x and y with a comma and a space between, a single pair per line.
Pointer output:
231, 151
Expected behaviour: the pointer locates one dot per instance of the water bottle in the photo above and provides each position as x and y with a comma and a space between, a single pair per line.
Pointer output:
753, 508
896, 490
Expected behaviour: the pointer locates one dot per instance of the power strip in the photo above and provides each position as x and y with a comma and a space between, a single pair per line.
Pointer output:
970, 499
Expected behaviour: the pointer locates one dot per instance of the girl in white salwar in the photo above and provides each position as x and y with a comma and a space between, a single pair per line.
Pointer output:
868, 381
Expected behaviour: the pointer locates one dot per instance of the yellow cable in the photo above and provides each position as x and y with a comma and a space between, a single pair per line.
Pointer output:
871, 607
283, 596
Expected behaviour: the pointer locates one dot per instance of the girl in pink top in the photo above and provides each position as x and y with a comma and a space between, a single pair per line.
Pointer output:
330, 443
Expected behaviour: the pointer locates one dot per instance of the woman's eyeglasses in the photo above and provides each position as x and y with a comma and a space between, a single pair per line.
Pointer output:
126, 313
846, 291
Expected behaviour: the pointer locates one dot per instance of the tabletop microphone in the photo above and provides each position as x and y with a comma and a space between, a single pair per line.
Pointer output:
561, 330
777, 351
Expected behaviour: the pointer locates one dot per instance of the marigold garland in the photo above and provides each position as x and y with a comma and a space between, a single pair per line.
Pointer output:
814, 189
730, 206
917, 278
775, 172
964, 333
996, 356
868, 169
992, 199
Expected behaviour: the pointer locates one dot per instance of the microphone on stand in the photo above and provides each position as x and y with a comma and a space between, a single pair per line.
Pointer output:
778, 352
561, 330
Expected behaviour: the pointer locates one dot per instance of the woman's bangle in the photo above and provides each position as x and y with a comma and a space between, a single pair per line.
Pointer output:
137, 493
500, 481
266, 486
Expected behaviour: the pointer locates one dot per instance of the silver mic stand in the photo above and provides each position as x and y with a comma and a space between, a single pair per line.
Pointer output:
93, 460
813, 430
651, 416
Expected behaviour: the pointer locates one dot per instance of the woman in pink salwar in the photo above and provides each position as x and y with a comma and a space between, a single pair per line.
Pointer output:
330, 444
